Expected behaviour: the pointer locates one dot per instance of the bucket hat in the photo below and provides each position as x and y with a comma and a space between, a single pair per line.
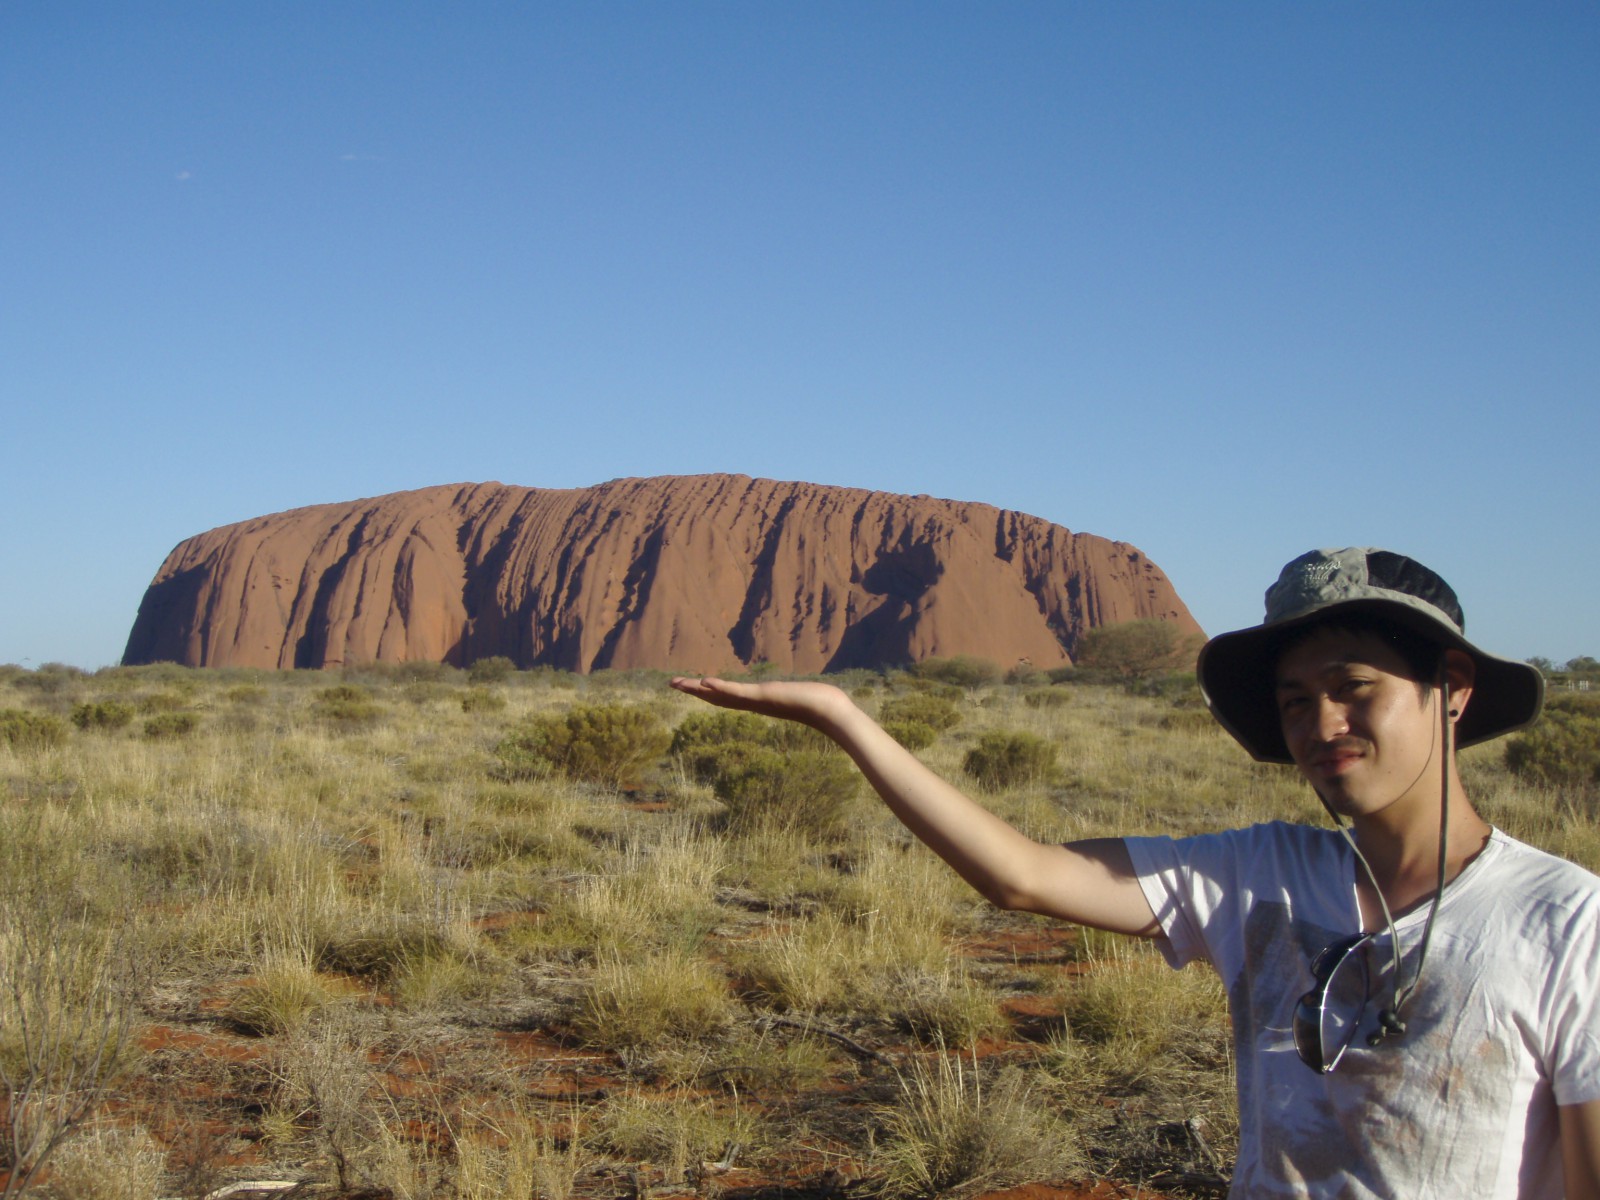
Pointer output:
1236, 670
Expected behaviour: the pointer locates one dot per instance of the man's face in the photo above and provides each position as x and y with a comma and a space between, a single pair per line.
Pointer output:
1356, 724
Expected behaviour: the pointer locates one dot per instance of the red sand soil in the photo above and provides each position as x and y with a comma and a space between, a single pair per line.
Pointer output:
198, 1093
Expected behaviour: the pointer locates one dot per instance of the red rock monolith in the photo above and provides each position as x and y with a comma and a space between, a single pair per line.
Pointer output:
689, 573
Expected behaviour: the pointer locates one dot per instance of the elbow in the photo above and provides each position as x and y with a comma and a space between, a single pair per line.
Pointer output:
1005, 895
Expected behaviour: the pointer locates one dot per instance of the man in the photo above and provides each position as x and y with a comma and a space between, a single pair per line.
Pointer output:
1416, 997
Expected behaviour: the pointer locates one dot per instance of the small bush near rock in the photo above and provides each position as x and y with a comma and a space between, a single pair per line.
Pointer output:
701, 730
102, 714
497, 668
913, 735
601, 743
346, 704
937, 712
1001, 760
482, 700
168, 725
803, 791
24, 730
963, 671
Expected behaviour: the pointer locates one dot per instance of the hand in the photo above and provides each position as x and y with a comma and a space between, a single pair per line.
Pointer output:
816, 704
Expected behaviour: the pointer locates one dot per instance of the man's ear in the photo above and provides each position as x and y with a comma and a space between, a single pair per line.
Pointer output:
1460, 672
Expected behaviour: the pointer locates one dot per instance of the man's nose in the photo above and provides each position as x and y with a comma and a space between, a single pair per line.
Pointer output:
1333, 721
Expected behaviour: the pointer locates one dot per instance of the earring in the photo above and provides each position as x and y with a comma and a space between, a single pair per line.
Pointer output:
1455, 712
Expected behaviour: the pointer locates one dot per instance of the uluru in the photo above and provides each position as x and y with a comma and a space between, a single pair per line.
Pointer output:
692, 573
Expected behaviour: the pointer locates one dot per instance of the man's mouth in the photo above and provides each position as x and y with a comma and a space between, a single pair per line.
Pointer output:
1335, 760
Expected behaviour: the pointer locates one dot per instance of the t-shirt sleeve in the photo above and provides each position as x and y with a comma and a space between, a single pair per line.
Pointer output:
1187, 885
1574, 1052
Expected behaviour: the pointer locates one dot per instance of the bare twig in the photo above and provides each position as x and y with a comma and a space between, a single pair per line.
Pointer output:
848, 1043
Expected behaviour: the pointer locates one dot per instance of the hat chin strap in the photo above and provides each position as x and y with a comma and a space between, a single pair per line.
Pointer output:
1389, 1021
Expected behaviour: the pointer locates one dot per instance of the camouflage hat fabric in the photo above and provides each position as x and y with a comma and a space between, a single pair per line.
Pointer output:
1236, 669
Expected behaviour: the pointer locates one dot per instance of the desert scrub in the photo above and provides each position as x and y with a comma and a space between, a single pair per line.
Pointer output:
163, 702
1004, 759
610, 744
108, 1162
165, 726
703, 730
913, 735
948, 1006
655, 896
768, 774
346, 706
1563, 749
102, 714
936, 711
1159, 1042
495, 669
23, 729
677, 1130
950, 1133
67, 1012
810, 792
1047, 697
855, 967
283, 995
963, 671
482, 700
639, 1002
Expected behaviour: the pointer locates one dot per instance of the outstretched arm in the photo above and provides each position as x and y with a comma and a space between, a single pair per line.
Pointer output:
1580, 1149
1088, 883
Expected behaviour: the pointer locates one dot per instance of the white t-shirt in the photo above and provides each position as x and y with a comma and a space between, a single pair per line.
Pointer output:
1504, 1026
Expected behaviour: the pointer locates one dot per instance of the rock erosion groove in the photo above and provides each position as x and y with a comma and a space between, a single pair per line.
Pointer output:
693, 573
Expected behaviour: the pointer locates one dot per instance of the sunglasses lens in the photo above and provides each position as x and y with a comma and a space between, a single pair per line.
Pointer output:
1327, 1017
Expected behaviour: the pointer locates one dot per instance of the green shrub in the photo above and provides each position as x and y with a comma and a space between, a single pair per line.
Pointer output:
702, 729
102, 714
936, 711
602, 743
810, 792
24, 730
1136, 649
1563, 748
424, 671
246, 693
709, 764
913, 735
497, 668
167, 725
963, 671
346, 704
482, 700
1002, 760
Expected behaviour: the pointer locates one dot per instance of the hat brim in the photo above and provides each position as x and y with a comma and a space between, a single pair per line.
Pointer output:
1237, 677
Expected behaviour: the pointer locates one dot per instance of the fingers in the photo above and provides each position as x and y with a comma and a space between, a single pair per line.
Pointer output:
708, 688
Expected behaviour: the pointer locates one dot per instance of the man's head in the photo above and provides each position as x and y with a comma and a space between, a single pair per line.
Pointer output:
1375, 593
1363, 707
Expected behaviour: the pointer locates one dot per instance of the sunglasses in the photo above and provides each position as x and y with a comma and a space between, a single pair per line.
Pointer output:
1327, 1017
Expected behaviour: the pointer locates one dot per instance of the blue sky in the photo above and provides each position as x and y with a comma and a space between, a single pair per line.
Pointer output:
1227, 281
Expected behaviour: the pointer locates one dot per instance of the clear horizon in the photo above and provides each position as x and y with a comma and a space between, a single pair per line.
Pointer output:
1225, 283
